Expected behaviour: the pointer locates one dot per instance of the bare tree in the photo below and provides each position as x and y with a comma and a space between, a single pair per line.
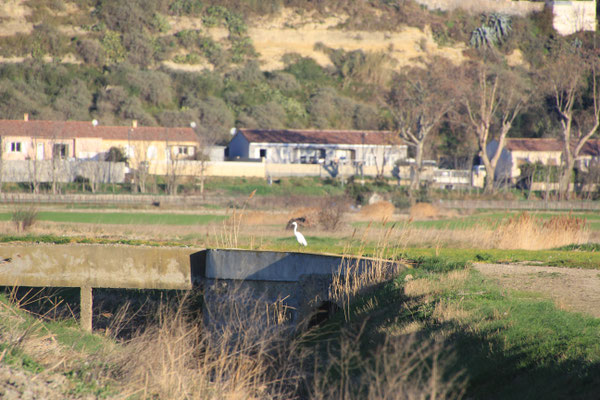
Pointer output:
56, 154
173, 160
2, 144
493, 97
140, 150
418, 101
206, 136
571, 76
33, 164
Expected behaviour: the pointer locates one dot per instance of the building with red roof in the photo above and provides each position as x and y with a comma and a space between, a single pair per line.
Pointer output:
297, 146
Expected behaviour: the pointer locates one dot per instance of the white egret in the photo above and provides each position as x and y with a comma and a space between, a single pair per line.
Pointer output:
299, 236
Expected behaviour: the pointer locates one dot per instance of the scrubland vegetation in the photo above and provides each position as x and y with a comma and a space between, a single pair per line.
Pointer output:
119, 50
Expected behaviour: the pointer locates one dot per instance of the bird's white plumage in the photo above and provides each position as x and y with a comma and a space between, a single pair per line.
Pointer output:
299, 236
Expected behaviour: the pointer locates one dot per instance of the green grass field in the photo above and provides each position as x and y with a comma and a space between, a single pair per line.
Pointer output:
502, 345
138, 218
302, 186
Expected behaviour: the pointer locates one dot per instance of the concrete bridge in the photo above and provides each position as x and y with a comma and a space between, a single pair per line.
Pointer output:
298, 281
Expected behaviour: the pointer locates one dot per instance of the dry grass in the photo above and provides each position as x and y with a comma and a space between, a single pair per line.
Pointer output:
181, 358
403, 367
358, 274
526, 231
378, 211
451, 281
423, 210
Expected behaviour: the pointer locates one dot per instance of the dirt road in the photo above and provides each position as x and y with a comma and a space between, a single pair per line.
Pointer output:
570, 288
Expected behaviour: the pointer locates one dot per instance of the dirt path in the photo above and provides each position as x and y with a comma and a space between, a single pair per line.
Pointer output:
570, 288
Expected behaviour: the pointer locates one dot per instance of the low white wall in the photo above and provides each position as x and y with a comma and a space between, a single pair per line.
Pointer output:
521, 8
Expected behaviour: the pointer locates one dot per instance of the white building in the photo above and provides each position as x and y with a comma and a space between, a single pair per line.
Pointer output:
520, 151
368, 148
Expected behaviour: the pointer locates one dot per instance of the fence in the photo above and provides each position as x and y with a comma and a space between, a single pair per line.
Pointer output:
137, 199
521, 205
62, 171
150, 199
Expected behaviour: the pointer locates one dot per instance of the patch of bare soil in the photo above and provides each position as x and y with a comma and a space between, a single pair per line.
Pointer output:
571, 289
19, 384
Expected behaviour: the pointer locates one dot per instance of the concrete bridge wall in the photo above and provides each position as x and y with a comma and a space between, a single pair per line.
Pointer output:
300, 282
114, 266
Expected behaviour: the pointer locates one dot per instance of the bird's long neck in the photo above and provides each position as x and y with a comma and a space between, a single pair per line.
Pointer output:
295, 228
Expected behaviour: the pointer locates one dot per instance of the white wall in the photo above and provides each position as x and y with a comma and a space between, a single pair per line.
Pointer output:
521, 8
569, 16
574, 16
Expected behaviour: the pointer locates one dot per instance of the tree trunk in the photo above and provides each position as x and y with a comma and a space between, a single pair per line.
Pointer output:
417, 167
202, 176
490, 177
564, 182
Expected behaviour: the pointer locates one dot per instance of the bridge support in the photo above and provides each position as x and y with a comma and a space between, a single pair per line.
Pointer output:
86, 308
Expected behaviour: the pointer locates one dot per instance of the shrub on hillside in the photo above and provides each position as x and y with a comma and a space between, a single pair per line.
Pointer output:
283, 81
91, 51
74, 101
154, 87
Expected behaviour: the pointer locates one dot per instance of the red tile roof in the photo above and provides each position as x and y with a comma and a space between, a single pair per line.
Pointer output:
527, 144
319, 136
590, 148
85, 129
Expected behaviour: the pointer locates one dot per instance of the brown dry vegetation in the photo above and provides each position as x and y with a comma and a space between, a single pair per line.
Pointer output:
377, 211
251, 357
256, 229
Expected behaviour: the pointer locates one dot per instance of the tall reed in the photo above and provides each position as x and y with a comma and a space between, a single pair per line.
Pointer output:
358, 273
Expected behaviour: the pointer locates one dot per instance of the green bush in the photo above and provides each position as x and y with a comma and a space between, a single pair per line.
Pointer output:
115, 154
186, 7
113, 47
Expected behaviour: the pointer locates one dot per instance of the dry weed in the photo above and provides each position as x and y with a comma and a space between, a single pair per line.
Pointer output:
525, 231
378, 211
444, 312
180, 358
403, 367
453, 280
423, 210
358, 274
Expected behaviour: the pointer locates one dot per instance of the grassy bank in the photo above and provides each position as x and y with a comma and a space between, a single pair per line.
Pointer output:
438, 329
492, 344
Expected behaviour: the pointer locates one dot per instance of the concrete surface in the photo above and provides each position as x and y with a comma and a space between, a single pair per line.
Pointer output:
106, 266
234, 280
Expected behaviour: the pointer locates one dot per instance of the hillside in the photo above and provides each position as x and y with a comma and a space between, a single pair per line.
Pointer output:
269, 64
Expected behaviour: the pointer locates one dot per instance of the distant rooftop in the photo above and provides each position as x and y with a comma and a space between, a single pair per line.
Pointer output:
86, 129
319, 136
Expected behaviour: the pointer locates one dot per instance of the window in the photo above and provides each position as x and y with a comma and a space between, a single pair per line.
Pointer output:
60, 150
262, 153
182, 150
15, 147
